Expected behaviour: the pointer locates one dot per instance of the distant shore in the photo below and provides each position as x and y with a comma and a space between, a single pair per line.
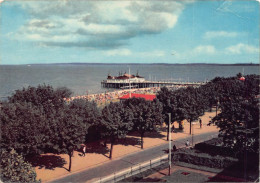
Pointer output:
79, 63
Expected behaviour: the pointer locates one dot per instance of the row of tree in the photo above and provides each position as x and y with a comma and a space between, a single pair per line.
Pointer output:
238, 101
38, 120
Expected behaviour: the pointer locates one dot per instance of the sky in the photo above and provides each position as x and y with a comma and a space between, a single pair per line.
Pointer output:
158, 31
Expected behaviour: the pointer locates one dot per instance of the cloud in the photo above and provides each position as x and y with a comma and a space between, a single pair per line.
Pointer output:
155, 53
95, 24
127, 52
118, 52
241, 48
204, 49
217, 34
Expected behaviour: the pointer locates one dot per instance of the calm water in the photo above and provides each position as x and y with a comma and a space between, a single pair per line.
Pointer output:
83, 78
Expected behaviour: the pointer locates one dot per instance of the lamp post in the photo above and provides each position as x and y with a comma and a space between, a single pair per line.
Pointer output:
170, 163
105, 98
129, 83
192, 124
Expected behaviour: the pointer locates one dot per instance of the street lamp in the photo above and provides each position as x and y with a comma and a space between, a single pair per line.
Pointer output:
170, 135
193, 123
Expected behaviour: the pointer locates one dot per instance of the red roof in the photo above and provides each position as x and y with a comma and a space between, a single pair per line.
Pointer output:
136, 95
242, 78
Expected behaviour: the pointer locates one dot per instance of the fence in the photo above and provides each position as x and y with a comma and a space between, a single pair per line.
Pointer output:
133, 170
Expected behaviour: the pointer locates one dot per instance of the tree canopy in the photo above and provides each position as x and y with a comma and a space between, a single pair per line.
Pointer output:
15, 169
116, 122
147, 115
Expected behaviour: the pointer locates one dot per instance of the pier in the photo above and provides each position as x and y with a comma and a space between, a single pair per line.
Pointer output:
145, 84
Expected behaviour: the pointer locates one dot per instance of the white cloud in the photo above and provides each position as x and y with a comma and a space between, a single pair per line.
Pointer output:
204, 49
95, 24
217, 34
155, 53
127, 52
241, 48
118, 52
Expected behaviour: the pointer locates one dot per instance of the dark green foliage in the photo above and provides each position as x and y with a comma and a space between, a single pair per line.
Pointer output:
187, 103
197, 158
237, 100
215, 147
22, 127
43, 96
90, 114
147, 115
116, 122
239, 117
15, 169
38, 120
68, 132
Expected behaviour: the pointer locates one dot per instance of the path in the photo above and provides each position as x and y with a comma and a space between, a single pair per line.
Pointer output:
110, 167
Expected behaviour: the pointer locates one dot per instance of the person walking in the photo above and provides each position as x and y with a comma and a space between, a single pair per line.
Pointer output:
174, 148
187, 143
173, 128
200, 123
84, 150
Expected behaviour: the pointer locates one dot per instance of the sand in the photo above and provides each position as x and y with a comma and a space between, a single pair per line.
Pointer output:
95, 156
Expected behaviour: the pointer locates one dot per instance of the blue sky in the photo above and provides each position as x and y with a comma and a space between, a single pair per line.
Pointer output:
63, 31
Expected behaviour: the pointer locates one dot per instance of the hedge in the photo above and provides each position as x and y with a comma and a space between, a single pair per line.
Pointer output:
197, 158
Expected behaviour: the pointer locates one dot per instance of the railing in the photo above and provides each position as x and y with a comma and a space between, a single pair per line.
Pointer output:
133, 170
257, 180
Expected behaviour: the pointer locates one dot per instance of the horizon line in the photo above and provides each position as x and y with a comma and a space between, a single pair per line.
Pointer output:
95, 63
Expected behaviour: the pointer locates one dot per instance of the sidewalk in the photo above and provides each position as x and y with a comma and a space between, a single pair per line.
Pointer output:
94, 174
125, 154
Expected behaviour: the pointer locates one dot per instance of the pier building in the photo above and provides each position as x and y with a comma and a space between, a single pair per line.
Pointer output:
135, 81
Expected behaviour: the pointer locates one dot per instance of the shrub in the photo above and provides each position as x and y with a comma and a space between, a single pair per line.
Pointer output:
197, 158
15, 169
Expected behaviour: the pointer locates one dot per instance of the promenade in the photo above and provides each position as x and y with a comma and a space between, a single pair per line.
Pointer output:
119, 164
96, 163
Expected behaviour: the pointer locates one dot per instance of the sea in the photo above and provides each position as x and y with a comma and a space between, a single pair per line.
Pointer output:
86, 78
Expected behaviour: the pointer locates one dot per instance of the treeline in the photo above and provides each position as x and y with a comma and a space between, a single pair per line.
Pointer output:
235, 98
38, 120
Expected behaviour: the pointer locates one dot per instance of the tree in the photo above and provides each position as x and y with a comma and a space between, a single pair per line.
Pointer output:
22, 127
147, 115
116, 122
239, 117
90, 114
192, 106
167, 98
15, 169
43, 96
68, 131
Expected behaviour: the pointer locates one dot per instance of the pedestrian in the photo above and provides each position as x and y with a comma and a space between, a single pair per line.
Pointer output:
200, 123
187, 143
174, 148
173, 128
84, 150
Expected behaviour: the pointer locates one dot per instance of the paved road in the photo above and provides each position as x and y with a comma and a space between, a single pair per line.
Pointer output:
130, 160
